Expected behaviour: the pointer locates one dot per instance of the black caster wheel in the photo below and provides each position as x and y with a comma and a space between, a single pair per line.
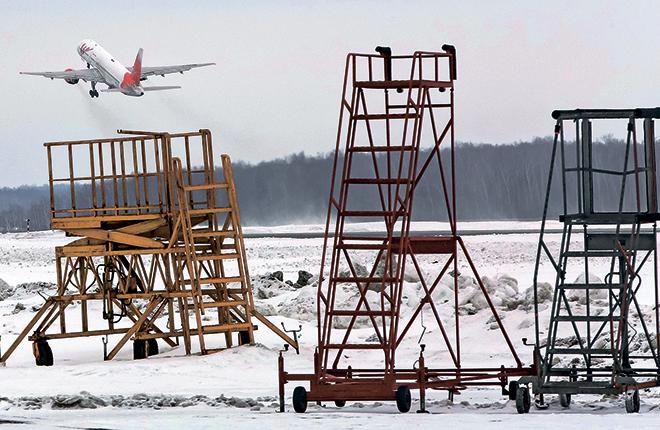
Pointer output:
403, 399
152, 347
91, 93
513, 389
632, 402
340, 403
139, 349
523, 400
565, 400
43, 355
300, 400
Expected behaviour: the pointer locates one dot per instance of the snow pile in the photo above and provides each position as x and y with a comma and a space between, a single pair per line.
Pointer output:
280, 298
276, 297
580, 295
273, 284
543, 295
502, 289
25, 290
85, 400
301, 307
5, 290
269, 286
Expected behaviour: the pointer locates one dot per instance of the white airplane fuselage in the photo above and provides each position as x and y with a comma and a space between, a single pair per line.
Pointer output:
103, 68
115, 74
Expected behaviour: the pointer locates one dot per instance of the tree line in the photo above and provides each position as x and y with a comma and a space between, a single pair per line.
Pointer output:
493, 182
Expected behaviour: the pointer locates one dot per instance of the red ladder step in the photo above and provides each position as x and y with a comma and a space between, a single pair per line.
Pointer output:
372, 213
400, 181
381, 148
368, 279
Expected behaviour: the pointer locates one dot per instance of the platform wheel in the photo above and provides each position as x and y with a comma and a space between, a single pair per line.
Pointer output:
244, 337
523, 400
632, 402
139, 349
300, 400
43, 355
513, 389
564, 400
340, 403
403, 399
152, 347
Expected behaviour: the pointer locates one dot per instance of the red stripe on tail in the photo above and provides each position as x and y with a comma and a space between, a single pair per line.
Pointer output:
133, 78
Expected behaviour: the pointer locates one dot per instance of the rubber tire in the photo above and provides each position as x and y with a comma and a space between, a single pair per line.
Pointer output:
139, 349
340, 403
300, 400
513, 389
43, 355
632, 402
152, 347
565, 400
403, 399
244, 337
523, 400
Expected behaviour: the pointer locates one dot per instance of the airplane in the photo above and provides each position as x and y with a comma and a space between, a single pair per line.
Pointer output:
103, 68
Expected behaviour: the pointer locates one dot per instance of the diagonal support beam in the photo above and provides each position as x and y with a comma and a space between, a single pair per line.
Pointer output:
117, 237
40, 313
155, 302
138, 228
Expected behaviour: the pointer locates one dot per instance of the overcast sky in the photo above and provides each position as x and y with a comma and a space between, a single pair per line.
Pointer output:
277, 84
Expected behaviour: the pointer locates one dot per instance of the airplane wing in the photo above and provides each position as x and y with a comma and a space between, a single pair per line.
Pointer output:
167, 87
166, 70
87, 75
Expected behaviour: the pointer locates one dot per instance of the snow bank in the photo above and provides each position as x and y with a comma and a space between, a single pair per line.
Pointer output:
5, 290
85, 400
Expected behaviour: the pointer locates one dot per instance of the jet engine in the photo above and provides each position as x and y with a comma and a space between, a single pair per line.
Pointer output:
71, 81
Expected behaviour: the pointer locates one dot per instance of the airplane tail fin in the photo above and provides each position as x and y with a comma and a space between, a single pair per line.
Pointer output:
136, 73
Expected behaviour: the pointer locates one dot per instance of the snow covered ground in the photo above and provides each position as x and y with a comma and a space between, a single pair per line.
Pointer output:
238, 386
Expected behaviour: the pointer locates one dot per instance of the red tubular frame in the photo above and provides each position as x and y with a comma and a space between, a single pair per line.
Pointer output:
396, 186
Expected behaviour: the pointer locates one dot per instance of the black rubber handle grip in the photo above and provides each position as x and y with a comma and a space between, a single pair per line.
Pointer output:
386, 52
451, 50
